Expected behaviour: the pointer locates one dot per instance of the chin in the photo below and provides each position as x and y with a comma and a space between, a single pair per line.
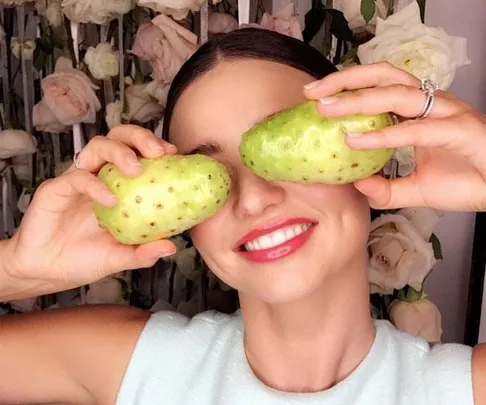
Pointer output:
284, 281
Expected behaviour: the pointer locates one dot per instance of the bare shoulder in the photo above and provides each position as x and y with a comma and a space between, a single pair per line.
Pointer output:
109, 335
479, 374
87, 346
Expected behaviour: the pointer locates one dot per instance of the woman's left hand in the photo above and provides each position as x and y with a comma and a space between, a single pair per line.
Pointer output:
450, 144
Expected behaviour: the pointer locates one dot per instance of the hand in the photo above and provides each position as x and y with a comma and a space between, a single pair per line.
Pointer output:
59, 244
450, 145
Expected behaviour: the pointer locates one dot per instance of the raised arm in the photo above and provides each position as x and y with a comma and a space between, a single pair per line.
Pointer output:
72, 356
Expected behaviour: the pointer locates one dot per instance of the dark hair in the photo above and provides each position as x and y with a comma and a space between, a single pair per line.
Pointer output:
245, 43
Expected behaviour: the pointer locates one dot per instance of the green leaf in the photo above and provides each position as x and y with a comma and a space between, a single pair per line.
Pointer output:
368, 8
314, 19
44, 47
436, 246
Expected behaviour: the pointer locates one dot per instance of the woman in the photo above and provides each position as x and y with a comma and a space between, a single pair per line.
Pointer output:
305, 335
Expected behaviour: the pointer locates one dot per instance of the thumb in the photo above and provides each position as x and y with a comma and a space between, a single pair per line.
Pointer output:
130, 257
388, 194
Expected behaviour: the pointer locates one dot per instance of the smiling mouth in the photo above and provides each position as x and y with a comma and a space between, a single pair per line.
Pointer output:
276, 238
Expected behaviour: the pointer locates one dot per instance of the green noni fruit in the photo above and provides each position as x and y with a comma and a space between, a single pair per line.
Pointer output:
172, 194
300, 145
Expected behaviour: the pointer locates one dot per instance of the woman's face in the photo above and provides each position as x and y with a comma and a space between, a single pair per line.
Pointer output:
297, 236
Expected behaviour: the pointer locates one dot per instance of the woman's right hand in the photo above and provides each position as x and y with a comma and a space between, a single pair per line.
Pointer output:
59, 244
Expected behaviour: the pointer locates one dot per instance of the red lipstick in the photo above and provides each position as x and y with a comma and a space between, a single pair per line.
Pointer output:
277, 252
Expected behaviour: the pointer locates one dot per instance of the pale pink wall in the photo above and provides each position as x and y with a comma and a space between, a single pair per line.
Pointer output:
448, 284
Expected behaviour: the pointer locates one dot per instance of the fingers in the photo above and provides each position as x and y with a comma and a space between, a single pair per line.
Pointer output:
464, 134
141, 139
135, 257
360, 77
389, 194
400, 99
117, 147
61, 190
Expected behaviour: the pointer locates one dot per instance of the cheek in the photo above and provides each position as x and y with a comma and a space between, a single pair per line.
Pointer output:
212, 232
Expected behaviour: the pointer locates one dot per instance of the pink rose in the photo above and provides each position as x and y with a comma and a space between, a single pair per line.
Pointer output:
221, 23
70, 96
144, 45
283, 21
45, 120
166, 45
420, 318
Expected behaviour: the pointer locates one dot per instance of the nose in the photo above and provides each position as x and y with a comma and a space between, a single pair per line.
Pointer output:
255, 196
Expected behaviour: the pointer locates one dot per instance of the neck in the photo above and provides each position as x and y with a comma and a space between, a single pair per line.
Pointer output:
311, 345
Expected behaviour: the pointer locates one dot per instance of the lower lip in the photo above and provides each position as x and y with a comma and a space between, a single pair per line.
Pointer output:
280, 251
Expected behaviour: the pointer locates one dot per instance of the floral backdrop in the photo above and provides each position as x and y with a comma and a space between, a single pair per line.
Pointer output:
72, 69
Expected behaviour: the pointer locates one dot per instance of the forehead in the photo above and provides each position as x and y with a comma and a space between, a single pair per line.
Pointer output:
225, 102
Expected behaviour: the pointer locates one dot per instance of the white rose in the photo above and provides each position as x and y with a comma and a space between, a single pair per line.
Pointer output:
221, 23
141, 106
24, 200
106, 291
113, 114
178, 9
21, 166
14, 142
51, 9
23, 48
95, 11
102, 61
400, 255
420, 318
159, 91
423, 51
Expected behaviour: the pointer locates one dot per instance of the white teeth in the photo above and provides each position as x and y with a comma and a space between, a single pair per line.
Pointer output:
289, 233
276, 238
265, 242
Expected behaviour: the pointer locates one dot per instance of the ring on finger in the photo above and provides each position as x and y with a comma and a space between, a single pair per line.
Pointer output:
76, 161
428, 88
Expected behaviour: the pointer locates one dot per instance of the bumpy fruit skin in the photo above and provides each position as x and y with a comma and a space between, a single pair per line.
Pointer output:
300, 145
173, 194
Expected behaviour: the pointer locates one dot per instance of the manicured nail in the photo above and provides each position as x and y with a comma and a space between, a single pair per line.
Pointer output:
329, 100
311, 85
354, 134
132, 161
109, 197
155, 145
169, 253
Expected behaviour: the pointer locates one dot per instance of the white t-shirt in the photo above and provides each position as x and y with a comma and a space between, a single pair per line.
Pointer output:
201, 361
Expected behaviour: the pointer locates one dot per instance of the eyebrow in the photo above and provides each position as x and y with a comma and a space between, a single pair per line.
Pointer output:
208, 149
213, 148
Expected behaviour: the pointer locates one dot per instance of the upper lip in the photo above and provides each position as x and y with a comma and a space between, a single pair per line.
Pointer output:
270, 227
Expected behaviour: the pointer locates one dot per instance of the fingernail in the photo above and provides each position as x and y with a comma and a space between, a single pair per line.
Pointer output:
168, 253
328, 100
155, 145
354, 134
311, 85
109, 197
132, 161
